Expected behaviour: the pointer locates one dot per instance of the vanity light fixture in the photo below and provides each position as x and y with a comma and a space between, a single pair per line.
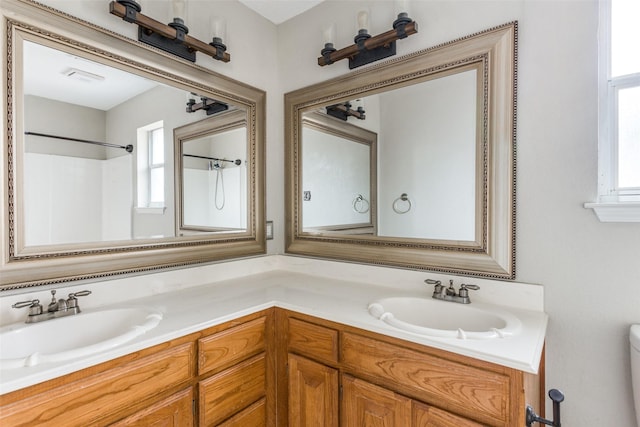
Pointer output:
172, 37
344, 111
210, 106
367, 48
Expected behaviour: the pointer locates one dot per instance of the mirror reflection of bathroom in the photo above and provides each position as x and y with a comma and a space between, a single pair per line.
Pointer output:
214, 190
412, 188
98, 153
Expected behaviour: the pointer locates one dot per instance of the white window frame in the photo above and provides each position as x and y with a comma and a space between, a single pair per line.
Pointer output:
144, 166
614, 204
152, 166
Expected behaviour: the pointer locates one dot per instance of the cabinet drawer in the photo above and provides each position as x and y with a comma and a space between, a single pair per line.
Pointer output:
95, 399
254, 416
461, 388
313, 341
226, 348
228, 392
174, 411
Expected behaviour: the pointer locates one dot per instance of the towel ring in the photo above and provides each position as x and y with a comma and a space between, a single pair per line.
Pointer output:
360, 204
402, 200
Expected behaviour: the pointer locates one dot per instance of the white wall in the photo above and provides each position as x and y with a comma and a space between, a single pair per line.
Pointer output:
336, 170
590, 270
425, 130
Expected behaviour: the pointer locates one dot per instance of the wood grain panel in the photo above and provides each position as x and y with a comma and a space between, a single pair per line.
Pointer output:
313, 341
93, 400
253, 416
228, 392
313, 394
365, 404
464, 389
428, 416
174, 411
226, 348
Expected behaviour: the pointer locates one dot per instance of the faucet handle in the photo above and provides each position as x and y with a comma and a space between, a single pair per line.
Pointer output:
72, 301
437, 289
464, 289
34, 306
79, 294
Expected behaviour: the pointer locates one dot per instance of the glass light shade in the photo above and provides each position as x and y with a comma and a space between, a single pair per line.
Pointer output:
401, 6
362, 20
329, 34
219, 27
179, 9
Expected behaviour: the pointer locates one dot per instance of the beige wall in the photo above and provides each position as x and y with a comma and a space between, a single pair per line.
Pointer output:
590, 270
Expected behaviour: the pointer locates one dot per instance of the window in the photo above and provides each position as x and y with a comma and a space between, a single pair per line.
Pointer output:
619, 112
150, 163
156, 167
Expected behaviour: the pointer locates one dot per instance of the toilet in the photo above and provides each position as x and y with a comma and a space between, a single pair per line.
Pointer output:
634, 337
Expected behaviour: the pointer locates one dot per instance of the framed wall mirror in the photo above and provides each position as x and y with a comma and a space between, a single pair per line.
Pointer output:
92, 186
211, 175
444, 122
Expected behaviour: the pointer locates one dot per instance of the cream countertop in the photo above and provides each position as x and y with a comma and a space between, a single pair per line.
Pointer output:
251, 285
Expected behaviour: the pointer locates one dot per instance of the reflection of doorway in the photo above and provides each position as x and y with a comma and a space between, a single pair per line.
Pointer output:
338, 176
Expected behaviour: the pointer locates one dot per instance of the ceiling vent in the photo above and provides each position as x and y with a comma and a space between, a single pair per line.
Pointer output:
83, 76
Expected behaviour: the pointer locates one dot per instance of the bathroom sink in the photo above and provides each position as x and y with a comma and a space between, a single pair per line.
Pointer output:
74, 336
430, 317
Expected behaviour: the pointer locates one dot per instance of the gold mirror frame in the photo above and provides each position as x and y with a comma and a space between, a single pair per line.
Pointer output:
492, 254
22, 267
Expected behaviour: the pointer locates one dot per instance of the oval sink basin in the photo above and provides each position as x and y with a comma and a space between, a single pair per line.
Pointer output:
66, 338
425, 316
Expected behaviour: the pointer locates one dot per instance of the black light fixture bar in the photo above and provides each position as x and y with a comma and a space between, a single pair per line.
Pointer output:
210, 106
172, 37
367, 48
344, 111
127, 148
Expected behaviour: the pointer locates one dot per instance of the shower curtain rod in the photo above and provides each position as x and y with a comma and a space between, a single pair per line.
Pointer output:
128, 148
237, 161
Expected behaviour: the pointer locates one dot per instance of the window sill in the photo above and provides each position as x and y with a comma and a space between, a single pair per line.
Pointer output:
616, 211
151, 211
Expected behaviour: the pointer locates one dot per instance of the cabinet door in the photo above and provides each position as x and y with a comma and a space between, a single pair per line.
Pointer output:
365, 404
174, 411
313, 394
428, 416
225, 394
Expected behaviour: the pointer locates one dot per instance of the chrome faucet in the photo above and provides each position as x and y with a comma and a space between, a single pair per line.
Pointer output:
55, 309
450, 294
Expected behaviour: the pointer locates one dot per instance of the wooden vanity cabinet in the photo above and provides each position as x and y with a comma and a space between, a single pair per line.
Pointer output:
221, 376
281, 368
381, 380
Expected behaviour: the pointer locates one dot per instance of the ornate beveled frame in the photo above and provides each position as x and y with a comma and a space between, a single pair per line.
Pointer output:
492, 253
200, 129
22, 266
